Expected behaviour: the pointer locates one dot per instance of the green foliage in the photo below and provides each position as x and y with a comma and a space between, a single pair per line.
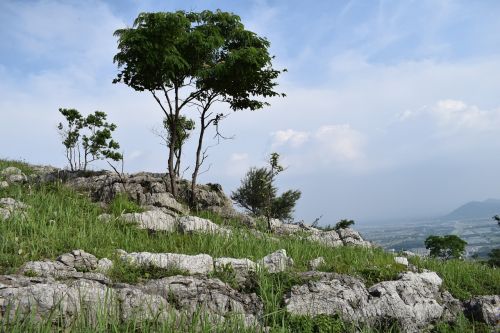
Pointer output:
205, 57
95, 144
342, 224
122, 204
258, 194
494, 257
447, 247
129, 273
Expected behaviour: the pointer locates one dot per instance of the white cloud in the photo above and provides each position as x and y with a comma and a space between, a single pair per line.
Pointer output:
239, 157
455, 115
340, 142
289, 136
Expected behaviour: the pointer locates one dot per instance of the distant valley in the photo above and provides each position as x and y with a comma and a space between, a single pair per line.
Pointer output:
472, 221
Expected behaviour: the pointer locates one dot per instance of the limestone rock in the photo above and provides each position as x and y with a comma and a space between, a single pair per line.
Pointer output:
277, 262
414, 300
3, 184
401, 261
215, 298
139, 306
241, 267
104, 265
166, 200
48, 268
328, 238
57, 299
316, 263
16, 179
152, 220
9, 171
190, 224
105, 218
11, 204
352, 237
80, 260
485, 309
193, 264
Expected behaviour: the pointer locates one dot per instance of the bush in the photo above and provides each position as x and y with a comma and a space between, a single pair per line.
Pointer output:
342, 224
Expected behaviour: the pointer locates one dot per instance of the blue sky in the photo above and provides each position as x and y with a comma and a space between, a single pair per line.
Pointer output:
392, 107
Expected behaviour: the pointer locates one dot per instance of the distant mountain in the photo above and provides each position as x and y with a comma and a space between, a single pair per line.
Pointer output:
475, 209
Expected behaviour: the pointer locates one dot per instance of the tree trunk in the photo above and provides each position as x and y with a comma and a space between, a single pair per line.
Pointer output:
171, 153
198, 158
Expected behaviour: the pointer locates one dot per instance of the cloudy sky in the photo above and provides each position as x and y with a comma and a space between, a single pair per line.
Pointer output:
392, 107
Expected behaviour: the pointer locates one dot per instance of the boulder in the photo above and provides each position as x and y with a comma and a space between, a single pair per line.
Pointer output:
16, 179
215, 298
277, 262
8, 206
316, 263
167, 201
241, 267
192, 224
328, 238
414, 301
3, 184
352, 237
401, 261
485, 309
79, 260
156, 220
192, 264
104, 265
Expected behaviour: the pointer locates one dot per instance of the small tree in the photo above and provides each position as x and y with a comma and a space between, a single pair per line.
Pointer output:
183, 131
496, 218
95, 143
342, 224
186, 59
257, 193
494, 257
447, 247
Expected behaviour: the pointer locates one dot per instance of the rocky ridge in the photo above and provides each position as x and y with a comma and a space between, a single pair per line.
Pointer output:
77, 281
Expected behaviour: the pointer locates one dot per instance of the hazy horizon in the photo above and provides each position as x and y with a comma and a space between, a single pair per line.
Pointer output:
392, 108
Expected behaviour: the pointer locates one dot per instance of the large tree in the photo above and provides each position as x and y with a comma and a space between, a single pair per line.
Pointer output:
187, 59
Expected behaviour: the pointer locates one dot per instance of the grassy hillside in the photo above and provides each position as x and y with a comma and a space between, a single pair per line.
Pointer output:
59, 220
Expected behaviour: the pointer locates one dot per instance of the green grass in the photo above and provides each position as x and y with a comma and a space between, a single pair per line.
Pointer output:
23, 166
463, 278
60, 220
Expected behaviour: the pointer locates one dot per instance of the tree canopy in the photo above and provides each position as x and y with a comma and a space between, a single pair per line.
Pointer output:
188, 59
447, 247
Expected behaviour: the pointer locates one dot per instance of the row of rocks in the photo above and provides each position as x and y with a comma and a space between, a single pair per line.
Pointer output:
169, 298
160, 219
330, 238
80, 264
414, 301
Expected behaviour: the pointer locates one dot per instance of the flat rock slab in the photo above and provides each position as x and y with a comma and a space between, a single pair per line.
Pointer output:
193, 224
193, 264
414, 301
152, 220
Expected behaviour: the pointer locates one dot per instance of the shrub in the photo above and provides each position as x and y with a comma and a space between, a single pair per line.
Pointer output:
342, 224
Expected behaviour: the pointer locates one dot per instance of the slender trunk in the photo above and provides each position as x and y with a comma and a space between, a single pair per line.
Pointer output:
198, 158
171, 153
